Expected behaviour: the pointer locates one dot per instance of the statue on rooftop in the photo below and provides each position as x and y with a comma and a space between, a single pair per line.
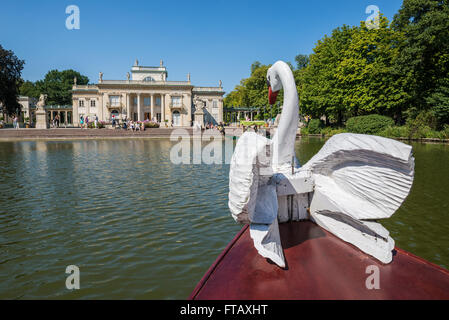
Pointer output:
127, 75
74, 81
136, 63
100, 77
162, 63
188, 77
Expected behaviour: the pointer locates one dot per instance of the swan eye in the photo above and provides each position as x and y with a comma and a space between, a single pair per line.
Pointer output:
268, 82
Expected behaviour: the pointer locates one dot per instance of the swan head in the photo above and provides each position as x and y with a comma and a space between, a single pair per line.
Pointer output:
274, 85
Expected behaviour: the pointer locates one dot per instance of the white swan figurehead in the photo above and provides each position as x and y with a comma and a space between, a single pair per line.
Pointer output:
351, 181
280, 76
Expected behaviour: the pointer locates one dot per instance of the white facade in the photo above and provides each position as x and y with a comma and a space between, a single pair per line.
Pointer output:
147, 95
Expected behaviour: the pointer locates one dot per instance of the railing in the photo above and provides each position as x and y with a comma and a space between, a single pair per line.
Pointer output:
114, 105
176, 105
207, 89
141, 82
86, 87
50, 107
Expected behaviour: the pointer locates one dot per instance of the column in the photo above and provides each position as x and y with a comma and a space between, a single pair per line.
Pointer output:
170, 111
100, 108
163, 108
128, 107
106, 113
188, 104
139, 108
220, 111
152, 106
75, 116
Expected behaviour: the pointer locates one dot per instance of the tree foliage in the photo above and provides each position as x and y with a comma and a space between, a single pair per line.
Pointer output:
370, 124
424, 58
29, 89
10, 78
253, 92
351, 74
302, 61
58, 86
399, 70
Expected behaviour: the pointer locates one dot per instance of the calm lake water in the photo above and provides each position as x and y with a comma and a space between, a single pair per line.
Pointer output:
141, 227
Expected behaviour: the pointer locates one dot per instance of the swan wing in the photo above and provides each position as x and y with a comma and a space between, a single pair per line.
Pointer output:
267, 241
364, 177
252, 198
359, 178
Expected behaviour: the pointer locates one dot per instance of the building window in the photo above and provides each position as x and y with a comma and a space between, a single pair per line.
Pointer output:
92, 103
135, 101
158, 117
176, 101
81, 103
148, 79
146, 101
215, 104
158, 101
115, 101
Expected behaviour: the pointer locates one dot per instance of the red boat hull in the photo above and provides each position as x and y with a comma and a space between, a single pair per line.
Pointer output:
319, 266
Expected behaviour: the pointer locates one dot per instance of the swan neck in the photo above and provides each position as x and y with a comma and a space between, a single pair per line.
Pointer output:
285, 137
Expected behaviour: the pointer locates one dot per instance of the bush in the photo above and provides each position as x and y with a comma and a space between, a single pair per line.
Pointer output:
314, 126
100, 124
395, 132
422, 125
330, 131
445, 131
252, 123
371, 124
304, 131
151, 124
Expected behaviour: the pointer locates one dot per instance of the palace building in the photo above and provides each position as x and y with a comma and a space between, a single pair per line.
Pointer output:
146, 94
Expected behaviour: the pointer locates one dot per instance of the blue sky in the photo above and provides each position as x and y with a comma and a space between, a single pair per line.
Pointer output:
212, 39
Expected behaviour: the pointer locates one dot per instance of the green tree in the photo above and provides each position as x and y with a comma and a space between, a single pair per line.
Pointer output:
321, 90
58, 86
29, 89
257, 88
256, 65
302, 61
366, 72
253, 92
10, 72
438, 102
424, 57
352, 73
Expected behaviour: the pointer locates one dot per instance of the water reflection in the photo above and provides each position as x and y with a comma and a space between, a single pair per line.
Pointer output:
138, 226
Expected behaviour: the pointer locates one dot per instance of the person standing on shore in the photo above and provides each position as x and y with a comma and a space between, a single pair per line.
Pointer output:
87, 122
96, 121
15, 123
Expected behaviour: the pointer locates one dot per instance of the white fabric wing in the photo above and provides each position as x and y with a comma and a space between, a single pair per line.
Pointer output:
250, 193
365, 177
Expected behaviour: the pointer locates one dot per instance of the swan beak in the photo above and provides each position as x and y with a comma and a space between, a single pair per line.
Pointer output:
272, 96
